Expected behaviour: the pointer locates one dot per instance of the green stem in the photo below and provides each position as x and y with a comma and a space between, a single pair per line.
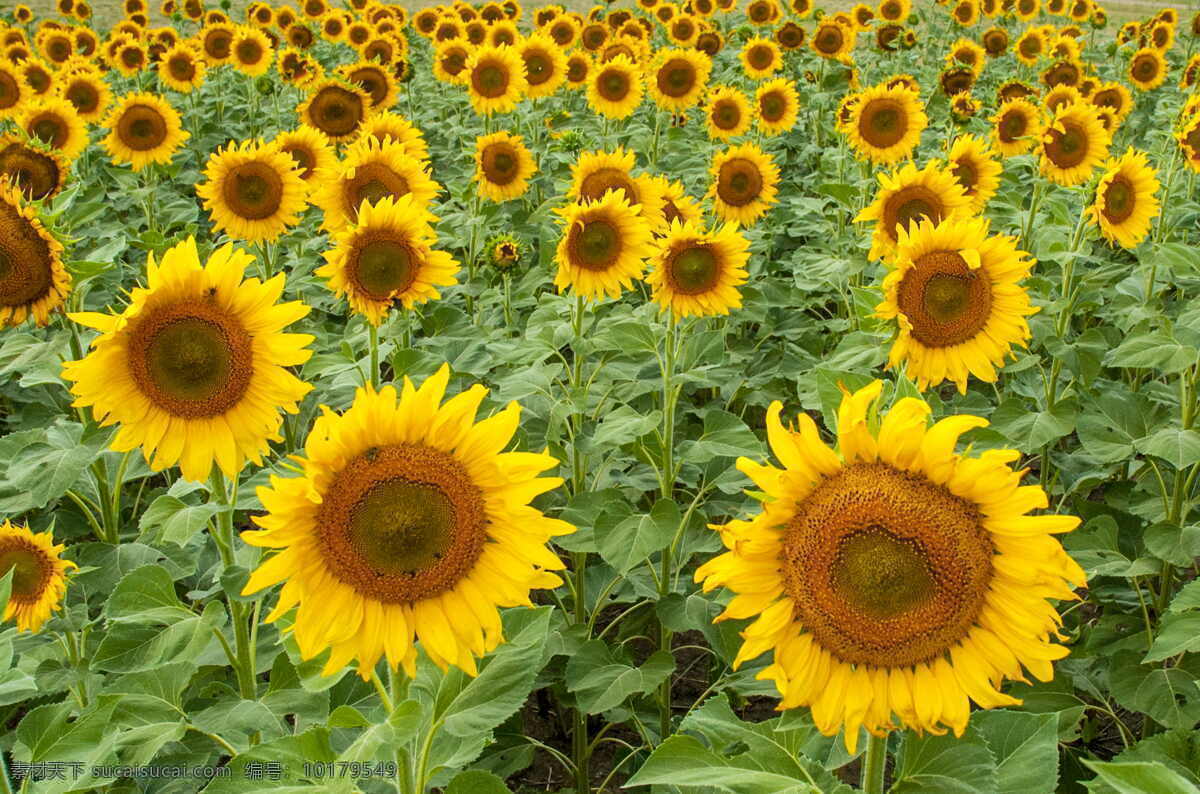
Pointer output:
381, 690
241, 629
579, 732
1039, 189
874, 764
373, 337
667, 486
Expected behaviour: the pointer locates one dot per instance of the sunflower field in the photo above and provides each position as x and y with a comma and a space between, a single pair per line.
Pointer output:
671, 396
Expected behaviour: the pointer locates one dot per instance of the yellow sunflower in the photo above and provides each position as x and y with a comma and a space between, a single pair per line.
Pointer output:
976, 170
252, 51
39, 575
895, 10
965, 52
1016, 127
1188, 138
1113, 95
832, 39
615, 88
450, 62
1026, 10
33, 281
604, 246
694, 272
545, 65
1073, 145
55, 122
678, 78
386, 257
1060, 96
409, 523
12, 91
370, 171
381, 88
778, 106
503, 166
216, 42
744, 182
1125, 205
88, 92
595, 173
965, 13
495, 79
728, 113
907, 196
886, 124
335, 108
995, 42
382, 126
36, 173
311, 153
579, 68
1030, 46
1147, 69
761, 58
955, 293
144, 129
894, 580
253, 191
194, 368
677, 205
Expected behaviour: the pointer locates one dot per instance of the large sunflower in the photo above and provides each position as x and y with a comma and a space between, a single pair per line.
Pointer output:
194, 368
744, 182
604, 246
1073, 145
1125, 204
1147, 69
311, 153
956, 294
893, 578
1016, 127
698, 272
88, 92
503, 166
495, 79
973, 166
253, 191
907, 196
33, 281
387, 257
728, 113
144, 129
371, 171
335, 108
678, 78
615, 88
885, 124
37, 173
595, 173
55, 122
39, 575
409, 523
778, 106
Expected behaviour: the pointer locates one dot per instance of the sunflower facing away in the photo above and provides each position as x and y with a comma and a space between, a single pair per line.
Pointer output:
370, 172
33, 281
409, 523
955, 292
144, 129
194, 368
335, 108
1073, 145
908, 195
253, 191
1125, 204
39, 575
503, 166
495, 79
694, 272
1016, 127
893, 578
744, 182
604, 246
886, 124
973, 166
728, 113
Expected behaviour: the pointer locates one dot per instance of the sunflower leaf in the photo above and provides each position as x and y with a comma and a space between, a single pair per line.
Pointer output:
1140, 777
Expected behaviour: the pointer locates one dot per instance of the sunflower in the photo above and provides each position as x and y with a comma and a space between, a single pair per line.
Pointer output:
545, 65
336, 109
778, 106
744, 182
312, 154
728, 113
1125, 204
895, 10
87, 92
144, 129
55, 122
39, 575
603, 247
450, 62
885, 124
496, 79
387, 257
975, 169
194, 369
38, 174
252, 191
995, 42
33, 281
683, 30
409, 523
182, 68
1026, 10
678, 78
130, 57
564, 31
596, 173
1030, 46
1060, 96
695, 272
1016, 127
251, 51
965, 52
677, 205
382, 126
216, 42
1188, 138
893, 576
12, 91
1162, 36
956, 80
965, 13
615, 88
761, 58
503, 166
56, 46
378, 84
906, 197
1115, 96
1073, 144
579, 69
1147, 69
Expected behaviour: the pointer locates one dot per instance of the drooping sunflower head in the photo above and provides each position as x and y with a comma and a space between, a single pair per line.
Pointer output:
39, 575
194, 370
603, 247
1125, 203
55, 122
728, 113
761, 58
369, 172
143, 129
387, 257
311, 152
885, 124
894, 580
1147, 69
906, 197
678, 78
253, 191
1074, 143
697, 272
744, 184
503, 166
1016, 127
496, 79
335, 108
976, 170
33, 280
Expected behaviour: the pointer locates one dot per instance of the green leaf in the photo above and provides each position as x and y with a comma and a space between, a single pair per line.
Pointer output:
1031, 430
725, 435
146, 594
1096, 547
601, 681
47, 470
1178, 750
945, 765
628, 543
6, 589
291, 753
1180, 448
1177, 634
1187, 598
682, 761
477, 781
1141, 777
1169, 696
1174, 544
1025, 747
134, 646
176, 521
623, 426
1151, 350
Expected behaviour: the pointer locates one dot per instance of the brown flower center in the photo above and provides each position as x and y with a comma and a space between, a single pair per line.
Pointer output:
141, 128
946, 302
739, 182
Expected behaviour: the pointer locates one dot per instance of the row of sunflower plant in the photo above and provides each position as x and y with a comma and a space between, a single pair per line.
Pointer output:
595, 386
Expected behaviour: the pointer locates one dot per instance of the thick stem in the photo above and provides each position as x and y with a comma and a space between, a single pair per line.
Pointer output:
237, 613
874, 764
1039, 189
579, 732
667, 486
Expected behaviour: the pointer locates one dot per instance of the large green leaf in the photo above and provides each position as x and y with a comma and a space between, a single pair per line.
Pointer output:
1141, 777
601, 681
685, 763
945, 765
629, 543
1025, 747
1169, 695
